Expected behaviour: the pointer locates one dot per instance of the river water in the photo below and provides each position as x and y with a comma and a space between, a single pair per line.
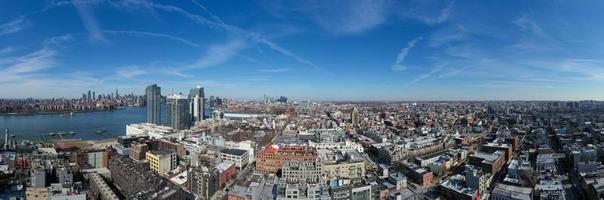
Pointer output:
85, 125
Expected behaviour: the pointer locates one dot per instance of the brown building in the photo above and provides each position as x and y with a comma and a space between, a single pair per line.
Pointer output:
493, 147
490, 163
163, 144
138, 150
270, 159
135, 181
99, 188
417, 174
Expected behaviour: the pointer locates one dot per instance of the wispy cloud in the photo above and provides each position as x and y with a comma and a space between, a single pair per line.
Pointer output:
14, 26
591, 69
152, 34
18, 68
429, 12
130, 72
447, 35
215, 55
217, 22
528, 24
433, 72
6, 50
90, 22
275, 70
334, 17
352, 17
400, 58
219, 53
442, 17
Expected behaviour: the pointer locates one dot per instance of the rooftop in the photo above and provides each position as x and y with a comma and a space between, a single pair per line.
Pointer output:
233, 151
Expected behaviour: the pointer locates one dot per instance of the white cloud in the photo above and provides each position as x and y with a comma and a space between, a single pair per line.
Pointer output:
433, 72
14, 26
275, 70
352, 17
219, 23
90, 22
400, 58
17, 68
219, 53
130, 72
6, 50
426, 11
152, 34
526, 23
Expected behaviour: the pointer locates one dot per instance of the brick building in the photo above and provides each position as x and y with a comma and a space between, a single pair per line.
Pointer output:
270, 159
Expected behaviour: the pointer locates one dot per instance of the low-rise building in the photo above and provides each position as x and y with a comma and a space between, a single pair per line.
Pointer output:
99, 188
238, 156
270, 159
342, 164
138, 151
154, 131
295, 171
490, 163
511, 192
161, 162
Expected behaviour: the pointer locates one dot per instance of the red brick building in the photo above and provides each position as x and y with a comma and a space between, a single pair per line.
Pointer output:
270, 159
227, 171
490, 163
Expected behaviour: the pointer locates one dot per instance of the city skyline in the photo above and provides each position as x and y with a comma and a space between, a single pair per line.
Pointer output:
358, 51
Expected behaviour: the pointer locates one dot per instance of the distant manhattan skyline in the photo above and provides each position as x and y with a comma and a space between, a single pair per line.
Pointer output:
356, 50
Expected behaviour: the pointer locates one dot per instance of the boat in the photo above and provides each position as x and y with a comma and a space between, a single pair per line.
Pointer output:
68, 114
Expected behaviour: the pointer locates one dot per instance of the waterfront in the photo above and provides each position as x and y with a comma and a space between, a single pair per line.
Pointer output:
84, 124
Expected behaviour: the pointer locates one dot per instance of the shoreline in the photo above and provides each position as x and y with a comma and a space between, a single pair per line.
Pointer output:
63, 112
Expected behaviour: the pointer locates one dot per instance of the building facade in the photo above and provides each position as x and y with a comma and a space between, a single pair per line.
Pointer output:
196, 100
203, 181
153, 93
178, 112
238, 156
161, 162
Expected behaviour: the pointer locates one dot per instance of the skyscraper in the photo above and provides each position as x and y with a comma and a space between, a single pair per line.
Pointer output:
196, 100
354, 116
178, 112
153, 93
6, 146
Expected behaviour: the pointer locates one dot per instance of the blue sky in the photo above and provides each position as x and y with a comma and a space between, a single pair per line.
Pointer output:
319, 50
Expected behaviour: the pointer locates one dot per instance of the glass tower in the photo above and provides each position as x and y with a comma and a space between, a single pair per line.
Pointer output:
178, 112
153, 93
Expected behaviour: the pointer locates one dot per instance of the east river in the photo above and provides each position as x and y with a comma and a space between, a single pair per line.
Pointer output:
86, 125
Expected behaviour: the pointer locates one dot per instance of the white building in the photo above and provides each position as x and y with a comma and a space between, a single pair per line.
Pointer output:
95, 159
152, 130
248, 145
238, 156
337, 146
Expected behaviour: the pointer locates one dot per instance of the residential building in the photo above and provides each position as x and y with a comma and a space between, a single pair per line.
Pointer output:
203, 181
511, 192
99, 188
196, 100
161, 162
153, 94
238, 156
138, 151
178, 112
270, 159
295, 171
